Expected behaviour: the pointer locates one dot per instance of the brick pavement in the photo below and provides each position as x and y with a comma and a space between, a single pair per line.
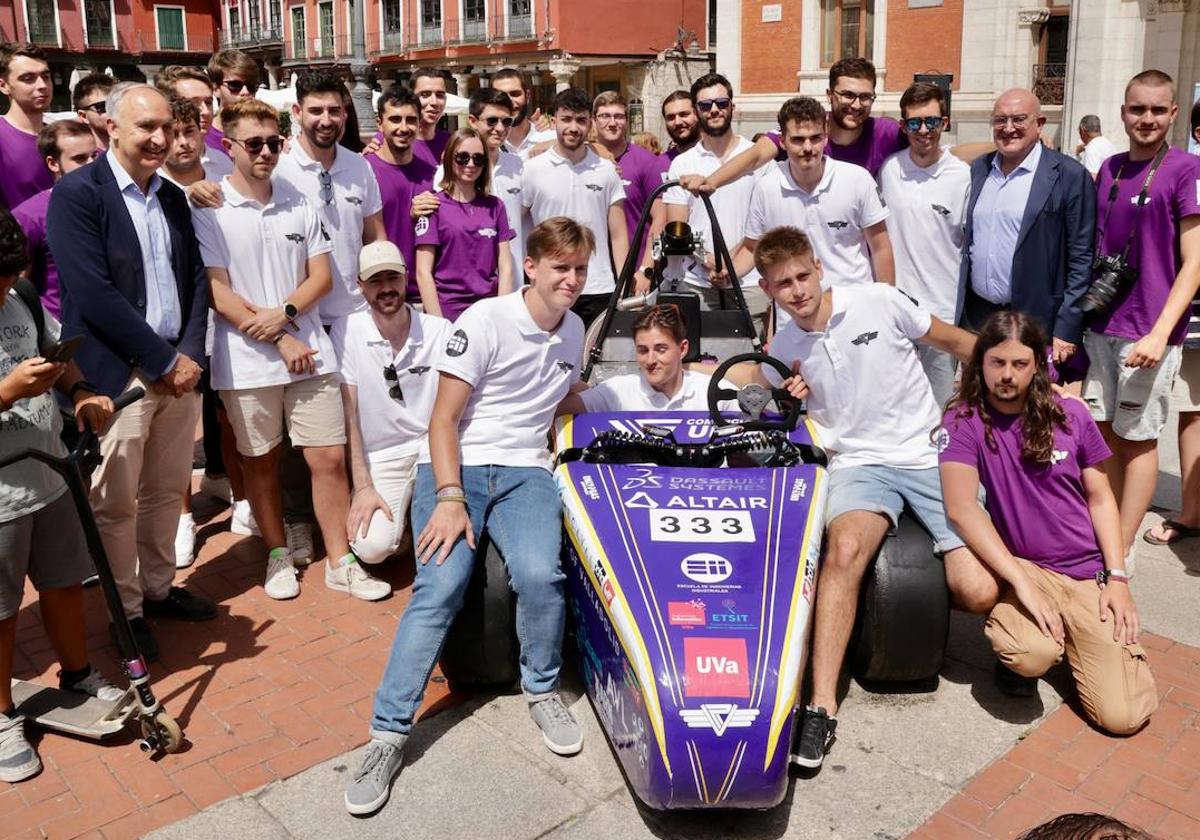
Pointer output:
266, 690
1150, 780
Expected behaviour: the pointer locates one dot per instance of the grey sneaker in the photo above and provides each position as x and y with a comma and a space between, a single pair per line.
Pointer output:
560, 731
372, 783
18, 759
96, 685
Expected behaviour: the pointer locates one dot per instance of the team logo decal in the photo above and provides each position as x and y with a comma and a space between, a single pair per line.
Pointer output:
565, 367
718, 717
937, 208
513, 190
490, 233
838, 224
324, 233
353, 199
458, 344
422, 225
294, 237
594, 187
865, 338
915, 302
706, 568
941, 439
419, 370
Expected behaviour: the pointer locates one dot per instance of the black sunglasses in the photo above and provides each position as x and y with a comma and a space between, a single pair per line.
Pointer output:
463, 158
721, 102
96, 107
254, 145
504, 121
326, 186
914, 124
389, 374
235, 86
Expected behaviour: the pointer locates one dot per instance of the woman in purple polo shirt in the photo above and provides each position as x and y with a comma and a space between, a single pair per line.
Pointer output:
462, 248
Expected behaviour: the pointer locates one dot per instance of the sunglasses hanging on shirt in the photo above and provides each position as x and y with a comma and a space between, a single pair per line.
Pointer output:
389, 374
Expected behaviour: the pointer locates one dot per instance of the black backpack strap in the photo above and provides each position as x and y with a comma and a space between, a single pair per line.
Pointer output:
28, 294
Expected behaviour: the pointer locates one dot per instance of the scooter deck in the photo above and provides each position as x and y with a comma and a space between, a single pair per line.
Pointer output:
72, 712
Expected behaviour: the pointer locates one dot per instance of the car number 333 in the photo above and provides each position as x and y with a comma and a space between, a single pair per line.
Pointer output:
701, 526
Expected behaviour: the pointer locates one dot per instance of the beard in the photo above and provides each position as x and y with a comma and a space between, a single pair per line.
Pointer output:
716, 131
684, 136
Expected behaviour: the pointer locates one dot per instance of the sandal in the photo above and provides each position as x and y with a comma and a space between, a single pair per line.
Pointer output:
1182, 532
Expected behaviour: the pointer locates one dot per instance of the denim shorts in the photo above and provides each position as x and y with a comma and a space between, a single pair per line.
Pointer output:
1135, 400
887, 490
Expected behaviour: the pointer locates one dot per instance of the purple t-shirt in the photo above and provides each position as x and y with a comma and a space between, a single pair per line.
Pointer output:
430, 151
467, 238
670, 154
881, 138
24, 172
641, 173
1040, 512
1155, 252
398, 184
212, 139
31, 216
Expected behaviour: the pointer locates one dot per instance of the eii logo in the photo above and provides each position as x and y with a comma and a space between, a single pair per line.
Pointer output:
718, 717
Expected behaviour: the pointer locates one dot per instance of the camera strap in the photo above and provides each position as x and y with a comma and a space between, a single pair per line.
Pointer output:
1142, 197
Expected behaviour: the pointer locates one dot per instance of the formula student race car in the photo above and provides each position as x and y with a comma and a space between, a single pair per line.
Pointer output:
692, 545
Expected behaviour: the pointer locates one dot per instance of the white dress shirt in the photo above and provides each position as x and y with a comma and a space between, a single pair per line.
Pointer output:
996, 224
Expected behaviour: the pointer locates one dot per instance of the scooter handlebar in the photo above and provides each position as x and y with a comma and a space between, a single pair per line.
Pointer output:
128, 398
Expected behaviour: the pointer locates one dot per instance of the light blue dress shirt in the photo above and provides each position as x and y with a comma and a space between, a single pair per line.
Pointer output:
163, 312
996, 225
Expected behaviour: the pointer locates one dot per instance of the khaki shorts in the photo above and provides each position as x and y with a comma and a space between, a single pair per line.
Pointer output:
1185, 395
310, 408
1134, 400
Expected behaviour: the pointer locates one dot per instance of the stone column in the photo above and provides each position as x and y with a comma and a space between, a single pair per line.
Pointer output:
462, 84
562, 69
149, 71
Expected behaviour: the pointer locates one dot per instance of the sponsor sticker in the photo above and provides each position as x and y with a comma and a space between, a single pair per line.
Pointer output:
706, 568
457, 344
686, 613
716, 667
718, 717
701, 526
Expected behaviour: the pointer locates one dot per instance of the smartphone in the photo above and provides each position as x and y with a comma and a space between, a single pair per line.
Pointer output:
64, 350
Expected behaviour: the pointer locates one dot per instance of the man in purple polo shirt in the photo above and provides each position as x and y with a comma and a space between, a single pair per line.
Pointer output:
65, 146
1135, 339
401, 174
1050, 531
429, 86
234, 76
25, 80
682, 123
641, 172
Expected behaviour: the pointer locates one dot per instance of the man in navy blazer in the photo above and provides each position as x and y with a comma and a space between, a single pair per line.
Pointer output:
1031, 223
134, 285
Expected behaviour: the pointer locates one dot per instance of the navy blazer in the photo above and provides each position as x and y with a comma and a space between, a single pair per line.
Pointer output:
99, 259
1052, 264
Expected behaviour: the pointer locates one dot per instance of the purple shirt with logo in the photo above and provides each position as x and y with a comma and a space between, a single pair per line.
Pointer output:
466, 237
430, 151
24, 173
1155, 252
31, 216
398, 184
670, 154
641, 173
1040, 511
881, 138
213, 138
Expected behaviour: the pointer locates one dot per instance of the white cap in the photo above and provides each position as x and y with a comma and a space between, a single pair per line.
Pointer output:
378, 256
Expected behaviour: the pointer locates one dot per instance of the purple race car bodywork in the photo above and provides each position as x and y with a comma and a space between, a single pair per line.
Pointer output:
691, 590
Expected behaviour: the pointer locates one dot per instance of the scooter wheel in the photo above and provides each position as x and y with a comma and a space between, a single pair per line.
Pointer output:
163, 732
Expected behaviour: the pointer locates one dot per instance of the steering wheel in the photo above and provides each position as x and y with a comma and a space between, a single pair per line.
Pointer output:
753, 398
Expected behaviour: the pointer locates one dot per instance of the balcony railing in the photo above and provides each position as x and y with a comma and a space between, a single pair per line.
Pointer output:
520, 26
100, 34
260, 37
319, 49
1049, 83
474, 31
43, 34
431, 35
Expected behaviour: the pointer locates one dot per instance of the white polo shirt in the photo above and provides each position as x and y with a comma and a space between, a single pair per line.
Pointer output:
928, 207
507, 175
553, 186
631, 392
834, 215
729, 203
355, 197
534, 137
519, 373
266, 250
869, 394
391, 428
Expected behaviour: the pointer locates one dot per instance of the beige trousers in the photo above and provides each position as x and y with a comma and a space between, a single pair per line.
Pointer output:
138, 489
1114, 681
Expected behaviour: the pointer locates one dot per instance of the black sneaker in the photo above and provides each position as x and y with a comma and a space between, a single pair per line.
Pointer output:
142, 635
814, 738
180, 605
1013, 684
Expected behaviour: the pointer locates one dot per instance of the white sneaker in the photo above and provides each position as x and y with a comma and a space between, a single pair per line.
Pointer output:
242, 522
299, 540
350, 576
281, 576
97, 685
218, 488
185, 541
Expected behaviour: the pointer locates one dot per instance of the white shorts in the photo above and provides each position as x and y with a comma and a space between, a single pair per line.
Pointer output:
393, 481
1134, 400
1185, 396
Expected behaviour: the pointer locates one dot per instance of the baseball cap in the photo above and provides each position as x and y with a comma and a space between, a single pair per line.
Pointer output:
380, 256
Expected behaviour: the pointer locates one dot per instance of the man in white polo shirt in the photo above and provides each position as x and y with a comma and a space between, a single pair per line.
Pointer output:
713, 96
268, 266
388, 356
926, 190
507, 364
853, 350
836, 204
572, 180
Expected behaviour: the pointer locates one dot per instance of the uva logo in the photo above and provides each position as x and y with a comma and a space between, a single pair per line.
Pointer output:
294, 237
838, 224
422, 225
715, 667
457, 344
864, 339
937, 208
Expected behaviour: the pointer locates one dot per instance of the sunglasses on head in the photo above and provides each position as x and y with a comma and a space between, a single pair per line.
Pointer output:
326, 186
389, 374
721, 102
504, 121
95, 107
463, 158
236, 85
914, 124
255, 145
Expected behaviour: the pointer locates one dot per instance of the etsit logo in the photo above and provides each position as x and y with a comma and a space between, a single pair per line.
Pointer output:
716, 667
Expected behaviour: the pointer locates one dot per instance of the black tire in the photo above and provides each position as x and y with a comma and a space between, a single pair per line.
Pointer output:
904, 611
481, 648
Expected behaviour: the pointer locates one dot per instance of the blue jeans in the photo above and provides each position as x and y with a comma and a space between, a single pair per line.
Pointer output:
521, 512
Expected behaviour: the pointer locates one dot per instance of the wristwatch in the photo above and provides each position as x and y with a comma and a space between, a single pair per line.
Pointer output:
290, 311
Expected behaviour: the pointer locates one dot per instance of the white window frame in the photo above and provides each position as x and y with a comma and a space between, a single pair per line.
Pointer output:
508, 16
291, 28
57, 23
183, 17
320, 38
462, 21
87, 38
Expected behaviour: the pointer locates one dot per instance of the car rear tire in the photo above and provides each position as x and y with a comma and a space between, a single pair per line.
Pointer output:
481, 648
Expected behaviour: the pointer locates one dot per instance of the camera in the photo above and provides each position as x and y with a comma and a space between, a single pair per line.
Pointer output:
1113, 273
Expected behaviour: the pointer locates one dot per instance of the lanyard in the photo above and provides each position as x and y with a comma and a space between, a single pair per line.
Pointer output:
1141, 198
